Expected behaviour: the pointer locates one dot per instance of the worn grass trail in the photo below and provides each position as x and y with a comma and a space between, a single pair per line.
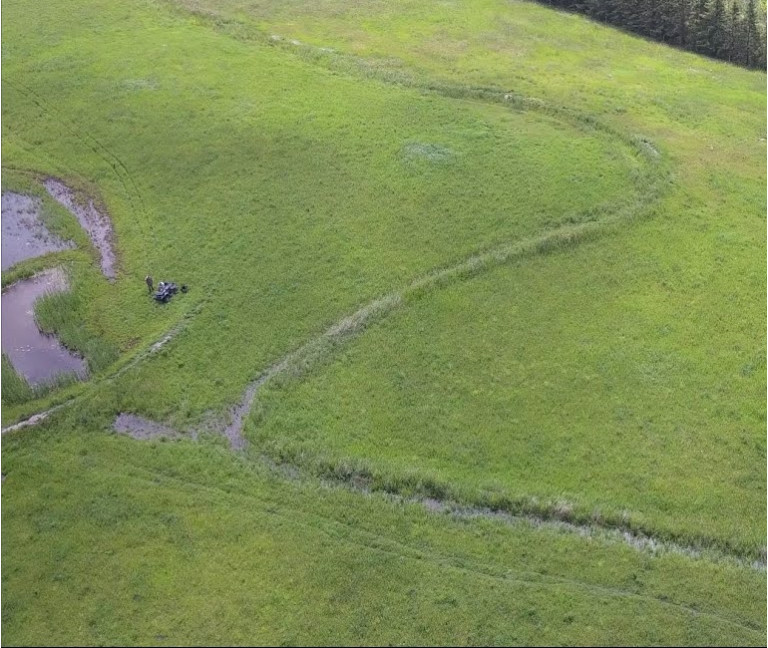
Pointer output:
695, 267
327, 203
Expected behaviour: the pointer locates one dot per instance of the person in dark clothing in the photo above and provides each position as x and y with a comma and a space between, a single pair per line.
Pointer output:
150, 283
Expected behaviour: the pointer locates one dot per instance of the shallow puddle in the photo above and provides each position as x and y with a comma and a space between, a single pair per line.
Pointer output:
37, 357
140, 428
23, 234
97, 225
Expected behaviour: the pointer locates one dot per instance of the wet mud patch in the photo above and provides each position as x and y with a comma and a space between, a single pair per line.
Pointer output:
95, 223
234, 431
24, 236
38, 357
143, 429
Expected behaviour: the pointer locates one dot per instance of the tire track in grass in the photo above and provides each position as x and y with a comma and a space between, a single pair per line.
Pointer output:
308, 355
317, 350
95, 146
311, 353
348, 533
305, 357
298, 361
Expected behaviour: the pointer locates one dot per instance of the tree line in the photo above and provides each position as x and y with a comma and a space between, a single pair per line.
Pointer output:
731, 30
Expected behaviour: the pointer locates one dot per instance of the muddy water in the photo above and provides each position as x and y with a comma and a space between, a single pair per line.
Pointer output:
140, 428
24, 235
97, 225
37, 357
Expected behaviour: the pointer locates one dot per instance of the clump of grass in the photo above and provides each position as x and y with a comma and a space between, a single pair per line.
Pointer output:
14, 388
60, 314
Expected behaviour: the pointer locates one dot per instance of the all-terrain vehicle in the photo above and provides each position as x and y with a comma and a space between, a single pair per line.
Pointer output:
165, 290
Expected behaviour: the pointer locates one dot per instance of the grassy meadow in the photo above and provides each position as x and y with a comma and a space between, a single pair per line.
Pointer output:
572, 249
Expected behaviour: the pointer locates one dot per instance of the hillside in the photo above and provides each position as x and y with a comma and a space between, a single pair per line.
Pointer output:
474, 345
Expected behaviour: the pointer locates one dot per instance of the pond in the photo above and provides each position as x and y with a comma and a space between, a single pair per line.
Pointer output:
24, 235
38, 357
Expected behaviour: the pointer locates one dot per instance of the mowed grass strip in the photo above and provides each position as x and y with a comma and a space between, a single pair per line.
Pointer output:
107, 540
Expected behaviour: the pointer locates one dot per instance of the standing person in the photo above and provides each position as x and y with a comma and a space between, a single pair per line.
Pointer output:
150, 283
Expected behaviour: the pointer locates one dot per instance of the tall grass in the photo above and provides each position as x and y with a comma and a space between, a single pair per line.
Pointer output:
15, 388
61, 314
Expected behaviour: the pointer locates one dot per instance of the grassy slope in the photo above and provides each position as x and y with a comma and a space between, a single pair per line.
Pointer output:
147, 536
582, 397
282, 194
654, 341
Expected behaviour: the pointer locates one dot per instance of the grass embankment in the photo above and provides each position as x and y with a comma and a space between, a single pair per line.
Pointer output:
287, 188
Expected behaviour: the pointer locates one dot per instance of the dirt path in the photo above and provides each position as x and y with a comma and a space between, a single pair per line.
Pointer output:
95, 223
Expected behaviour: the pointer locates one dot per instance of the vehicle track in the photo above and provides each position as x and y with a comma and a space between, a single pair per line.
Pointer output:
95, 146
321, 347
348, 533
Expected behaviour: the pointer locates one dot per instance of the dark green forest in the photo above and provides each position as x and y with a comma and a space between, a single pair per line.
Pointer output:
731, 31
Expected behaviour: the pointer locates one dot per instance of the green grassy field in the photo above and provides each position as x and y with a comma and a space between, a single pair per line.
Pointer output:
573, 247
183, 544
300, 206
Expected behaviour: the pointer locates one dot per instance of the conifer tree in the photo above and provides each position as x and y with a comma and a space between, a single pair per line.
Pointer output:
716, 29
697, 32
751, 34
732, 30
733, 34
